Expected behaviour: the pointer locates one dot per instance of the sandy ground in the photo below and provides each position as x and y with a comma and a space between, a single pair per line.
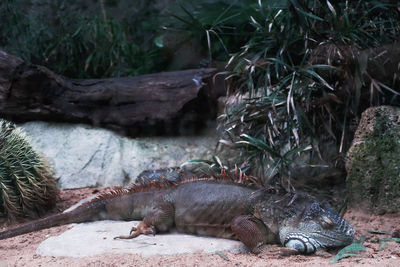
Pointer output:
20, 251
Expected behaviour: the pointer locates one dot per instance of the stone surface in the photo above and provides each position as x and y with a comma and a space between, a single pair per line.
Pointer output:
84, 156
373, 161
90, 239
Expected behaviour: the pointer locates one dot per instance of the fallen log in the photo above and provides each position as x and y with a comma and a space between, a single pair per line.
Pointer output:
160, 103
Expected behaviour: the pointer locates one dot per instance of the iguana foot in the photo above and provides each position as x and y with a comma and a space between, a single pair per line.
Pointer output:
283, 251
141, 229
274, 250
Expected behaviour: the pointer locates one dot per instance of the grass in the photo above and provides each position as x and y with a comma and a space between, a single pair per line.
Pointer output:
286, 103
81, 45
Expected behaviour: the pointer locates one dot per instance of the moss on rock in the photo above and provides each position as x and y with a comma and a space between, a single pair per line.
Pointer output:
373, 161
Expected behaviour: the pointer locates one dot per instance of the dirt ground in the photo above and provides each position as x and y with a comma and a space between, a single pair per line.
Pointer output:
20, 251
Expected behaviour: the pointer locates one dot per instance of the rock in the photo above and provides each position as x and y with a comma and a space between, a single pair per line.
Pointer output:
84, 156
96, 238
373, 161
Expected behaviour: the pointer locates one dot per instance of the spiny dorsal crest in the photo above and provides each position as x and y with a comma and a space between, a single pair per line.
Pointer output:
146, 184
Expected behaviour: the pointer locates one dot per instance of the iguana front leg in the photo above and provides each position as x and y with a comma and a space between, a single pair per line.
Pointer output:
159, 219
255, 235
251, 231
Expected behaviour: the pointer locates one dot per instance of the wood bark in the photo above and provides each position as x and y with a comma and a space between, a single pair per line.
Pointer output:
161, 103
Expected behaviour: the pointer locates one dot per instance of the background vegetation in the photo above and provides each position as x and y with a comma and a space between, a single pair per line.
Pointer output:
299, 82
83, 44
296, 79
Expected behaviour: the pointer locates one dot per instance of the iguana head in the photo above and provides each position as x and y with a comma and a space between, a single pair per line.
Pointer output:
311, 225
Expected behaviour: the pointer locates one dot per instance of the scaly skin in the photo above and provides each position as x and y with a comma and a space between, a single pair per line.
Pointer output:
256, 216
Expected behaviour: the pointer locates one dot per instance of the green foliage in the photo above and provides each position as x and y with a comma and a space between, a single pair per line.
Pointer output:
217, 169
347, 252
27, 185
220, 26
281, 59
19, 35
98, 48
208, 167
79, 45
285, 101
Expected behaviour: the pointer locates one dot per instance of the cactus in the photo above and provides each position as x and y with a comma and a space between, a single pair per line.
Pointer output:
27, 185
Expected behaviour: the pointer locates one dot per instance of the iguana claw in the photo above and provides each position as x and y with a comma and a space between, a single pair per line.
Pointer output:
142, 228
133, 230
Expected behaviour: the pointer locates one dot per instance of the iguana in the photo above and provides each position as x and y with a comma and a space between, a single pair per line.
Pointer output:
254, 215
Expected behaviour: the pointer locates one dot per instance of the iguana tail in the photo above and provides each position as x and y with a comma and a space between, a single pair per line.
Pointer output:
91, 211
120, 203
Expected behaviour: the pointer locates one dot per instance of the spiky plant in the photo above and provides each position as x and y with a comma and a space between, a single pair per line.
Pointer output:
27, 185
300, 82
305, 71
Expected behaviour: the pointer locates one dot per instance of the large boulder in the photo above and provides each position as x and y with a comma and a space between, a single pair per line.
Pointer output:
373, 161
84, 156
97, 238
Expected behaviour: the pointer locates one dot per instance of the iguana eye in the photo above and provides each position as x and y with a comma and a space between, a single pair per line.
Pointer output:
327, 222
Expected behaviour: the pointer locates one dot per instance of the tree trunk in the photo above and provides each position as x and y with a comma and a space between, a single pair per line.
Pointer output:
161, 103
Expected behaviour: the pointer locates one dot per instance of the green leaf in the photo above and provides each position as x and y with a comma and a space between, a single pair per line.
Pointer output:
259, 144
314, 74
158, 41
309, 14
218, 161
208, 162
331, 8
394, 239
222, 255
297, 150
345, 252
